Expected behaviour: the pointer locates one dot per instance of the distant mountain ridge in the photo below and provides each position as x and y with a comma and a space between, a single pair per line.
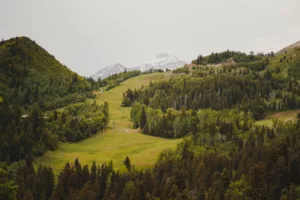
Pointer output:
109, 70
161, 61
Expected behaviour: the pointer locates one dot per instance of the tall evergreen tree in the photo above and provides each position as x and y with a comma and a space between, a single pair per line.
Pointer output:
127, 163
143, 119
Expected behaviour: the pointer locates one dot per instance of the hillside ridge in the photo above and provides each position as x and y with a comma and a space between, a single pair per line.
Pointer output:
290, 47
28, 73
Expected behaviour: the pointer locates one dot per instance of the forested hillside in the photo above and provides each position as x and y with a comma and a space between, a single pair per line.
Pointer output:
259, 87
32, 85
29, 74
37, 132
213, 104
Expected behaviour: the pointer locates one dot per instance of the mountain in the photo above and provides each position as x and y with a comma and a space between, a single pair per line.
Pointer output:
109, 70
29, 74
290, 47
161, 61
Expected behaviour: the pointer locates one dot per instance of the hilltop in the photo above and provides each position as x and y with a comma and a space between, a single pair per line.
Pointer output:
29, 74
290, 47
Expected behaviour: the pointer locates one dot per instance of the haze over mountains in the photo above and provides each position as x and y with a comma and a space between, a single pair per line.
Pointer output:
162, 61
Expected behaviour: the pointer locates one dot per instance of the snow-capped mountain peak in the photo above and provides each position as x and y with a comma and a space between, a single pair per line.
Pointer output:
109, 70
161, 61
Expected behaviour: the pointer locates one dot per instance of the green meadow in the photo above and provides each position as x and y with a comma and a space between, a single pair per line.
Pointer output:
119, 140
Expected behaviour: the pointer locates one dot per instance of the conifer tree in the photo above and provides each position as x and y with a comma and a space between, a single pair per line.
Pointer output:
127, 163
143, 120
93, 174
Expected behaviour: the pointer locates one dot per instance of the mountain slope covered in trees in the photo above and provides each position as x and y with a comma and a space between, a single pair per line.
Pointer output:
32, 81
260, 84
29, 74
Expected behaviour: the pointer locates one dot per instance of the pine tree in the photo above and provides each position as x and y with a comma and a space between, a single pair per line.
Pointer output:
105, 110
143, 119
193, 126
93, 173
127, 163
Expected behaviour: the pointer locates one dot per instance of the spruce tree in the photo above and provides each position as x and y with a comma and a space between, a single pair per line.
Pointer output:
127, 163
93, 174
143, 120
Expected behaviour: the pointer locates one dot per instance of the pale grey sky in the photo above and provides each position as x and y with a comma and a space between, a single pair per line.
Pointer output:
87, 35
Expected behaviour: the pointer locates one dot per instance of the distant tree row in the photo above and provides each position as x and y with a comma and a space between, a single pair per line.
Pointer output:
254, 92
215, 58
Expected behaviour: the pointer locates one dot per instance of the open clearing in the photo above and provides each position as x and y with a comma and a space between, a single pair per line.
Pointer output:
118, 141
283, 116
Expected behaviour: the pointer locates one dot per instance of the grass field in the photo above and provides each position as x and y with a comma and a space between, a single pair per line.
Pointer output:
283, 116
117, 142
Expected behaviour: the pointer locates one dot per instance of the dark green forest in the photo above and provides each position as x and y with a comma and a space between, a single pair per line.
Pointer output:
212, 103
219, 161
29, 74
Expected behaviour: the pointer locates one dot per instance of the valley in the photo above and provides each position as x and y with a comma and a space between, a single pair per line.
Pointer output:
119, 140
206, 130
150, 100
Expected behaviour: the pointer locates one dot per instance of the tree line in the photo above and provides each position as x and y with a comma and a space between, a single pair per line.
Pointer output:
35, 132
225, 157
256, 92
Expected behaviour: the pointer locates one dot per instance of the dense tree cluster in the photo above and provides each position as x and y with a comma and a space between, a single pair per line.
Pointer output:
176, 124
227, 158
78, 121
254, 92
8, 189
22, 181
129, 97
36, 132
238, 57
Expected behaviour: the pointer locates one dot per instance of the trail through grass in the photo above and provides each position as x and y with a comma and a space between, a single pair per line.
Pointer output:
118, 141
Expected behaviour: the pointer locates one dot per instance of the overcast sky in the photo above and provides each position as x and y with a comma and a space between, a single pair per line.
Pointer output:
91, 34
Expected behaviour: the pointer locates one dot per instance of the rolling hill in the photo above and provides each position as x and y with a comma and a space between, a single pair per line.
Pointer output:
29, 74
290, 47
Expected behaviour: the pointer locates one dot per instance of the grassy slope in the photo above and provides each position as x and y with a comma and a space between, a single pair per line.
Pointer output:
282, 116
119, 141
